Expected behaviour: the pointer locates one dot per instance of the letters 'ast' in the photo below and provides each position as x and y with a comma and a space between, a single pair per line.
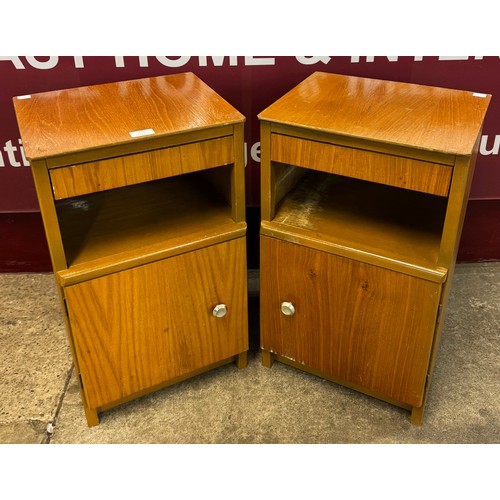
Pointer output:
141, 189
364, 189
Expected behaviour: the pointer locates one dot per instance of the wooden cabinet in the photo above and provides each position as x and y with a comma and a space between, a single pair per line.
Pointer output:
364, 190
141, 190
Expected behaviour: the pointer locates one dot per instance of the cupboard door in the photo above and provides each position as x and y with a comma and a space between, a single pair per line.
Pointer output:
143, 326
353, 321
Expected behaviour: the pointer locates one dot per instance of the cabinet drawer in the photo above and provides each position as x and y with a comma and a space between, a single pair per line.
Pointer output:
382, 168
111, 173
147, 325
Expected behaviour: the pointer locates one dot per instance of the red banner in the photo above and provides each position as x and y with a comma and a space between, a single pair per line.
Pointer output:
249, 83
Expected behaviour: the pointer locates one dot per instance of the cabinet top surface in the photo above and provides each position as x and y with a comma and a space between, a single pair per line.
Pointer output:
70, 120
412, 115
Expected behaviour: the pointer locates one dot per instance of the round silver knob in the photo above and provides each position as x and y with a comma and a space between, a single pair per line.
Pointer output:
287, 308
220, 310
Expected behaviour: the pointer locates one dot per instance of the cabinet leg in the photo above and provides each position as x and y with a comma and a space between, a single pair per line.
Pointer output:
91, 416
267, 359
417, 415
90, 413
241, 360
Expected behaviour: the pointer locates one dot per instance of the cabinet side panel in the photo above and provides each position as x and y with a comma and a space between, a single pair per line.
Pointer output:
144, 326
49, 215
238, 175
360, 323
267, 187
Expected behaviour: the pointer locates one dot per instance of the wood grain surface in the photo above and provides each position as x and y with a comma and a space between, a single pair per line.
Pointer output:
141, 167
417, 116
380, 220
102, 229
361, 164
363, 324
69, 120
138, 328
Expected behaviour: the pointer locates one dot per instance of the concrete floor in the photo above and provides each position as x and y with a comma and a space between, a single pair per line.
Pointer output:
40, 401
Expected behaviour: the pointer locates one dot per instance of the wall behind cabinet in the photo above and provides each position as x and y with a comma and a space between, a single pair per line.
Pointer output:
249, 83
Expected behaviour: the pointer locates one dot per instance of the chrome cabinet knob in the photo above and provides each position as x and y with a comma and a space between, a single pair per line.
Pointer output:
220, 310
287, 308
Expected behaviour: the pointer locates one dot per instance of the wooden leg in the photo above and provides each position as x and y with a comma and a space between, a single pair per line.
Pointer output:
267, 359
241, 360
91, 415
417, 415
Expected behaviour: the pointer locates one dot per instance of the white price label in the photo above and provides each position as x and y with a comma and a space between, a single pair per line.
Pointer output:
140, 133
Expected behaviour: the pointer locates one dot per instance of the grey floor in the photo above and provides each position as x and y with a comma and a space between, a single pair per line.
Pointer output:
40, 401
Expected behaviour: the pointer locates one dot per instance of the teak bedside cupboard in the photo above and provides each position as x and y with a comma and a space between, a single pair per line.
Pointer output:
141, 190
364, 189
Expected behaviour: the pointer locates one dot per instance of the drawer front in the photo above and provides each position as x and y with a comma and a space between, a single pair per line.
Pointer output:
125, 170
358, 323
395, 171
138, 328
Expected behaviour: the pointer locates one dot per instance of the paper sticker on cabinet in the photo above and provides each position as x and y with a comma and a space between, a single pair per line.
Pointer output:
140, 133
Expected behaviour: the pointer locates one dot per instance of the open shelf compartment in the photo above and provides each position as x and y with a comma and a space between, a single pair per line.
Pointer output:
370, 219
105, 231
